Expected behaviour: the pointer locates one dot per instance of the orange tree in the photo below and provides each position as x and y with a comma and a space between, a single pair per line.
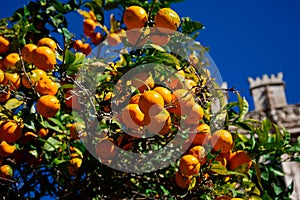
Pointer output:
140, 116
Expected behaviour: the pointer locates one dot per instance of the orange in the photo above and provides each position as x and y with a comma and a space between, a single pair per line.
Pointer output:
10, 131
11, 61
13, 80
165, 93
2, 67
4, 44
74, 165
34, 76
132, 116
199, 153
202, 136
28, 136
167, 19
76, 130
1, 75
240, 161
221, 140
135, 99
92, 15
125, 142
196, 114
136, 37
182, 102
96, 38
71, 100
106, 149
6, 171
27, 52
6, 149
44, 58
158, 123
135, 17
4, 95
151, 102
189, 165
47, 106
159, 38
43, 132
142, 81
183, 181
113, 39
78, 45
48, 42
86, 49
89, 26
46, 86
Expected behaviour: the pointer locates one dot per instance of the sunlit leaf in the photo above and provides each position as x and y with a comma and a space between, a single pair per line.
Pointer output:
13, 103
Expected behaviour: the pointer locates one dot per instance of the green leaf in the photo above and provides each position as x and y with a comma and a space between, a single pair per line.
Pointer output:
55, 128
13, 103
188, 26
51, 144
58, 161
243, 107
69, 57
57, 122
218, 168
258, 174
279, 136
59, 6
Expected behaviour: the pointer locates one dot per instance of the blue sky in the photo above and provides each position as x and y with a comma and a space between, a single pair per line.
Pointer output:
247, 38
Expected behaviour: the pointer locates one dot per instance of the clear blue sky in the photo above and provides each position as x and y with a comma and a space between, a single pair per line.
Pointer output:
247, 38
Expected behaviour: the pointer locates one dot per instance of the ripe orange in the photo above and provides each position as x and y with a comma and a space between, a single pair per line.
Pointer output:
13, 80
240, 161
167, 19
151, 103
165, 93
196, 114
158, 123
142, 81
4, 44
125, 142
2, 67
182, 102
48, 42
78, 45
11, 61
28, 136
6, 149
199, 153
136, 37
202, 136
47, 106
77, 129
113, 39
132, 116
135, 99
189, 165
1, 75
106, 149
74, 165
159, 38
221, 140
135, 17
86, 49
27, 52
96, 38
89, 26
44, 58
10, 131
6, 171
183, 181
4, 95
43, 132
46, 86
34, 76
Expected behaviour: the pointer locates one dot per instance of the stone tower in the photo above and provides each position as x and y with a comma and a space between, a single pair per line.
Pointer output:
268, 92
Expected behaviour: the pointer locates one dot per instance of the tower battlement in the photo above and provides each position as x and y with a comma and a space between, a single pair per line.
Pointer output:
266, 80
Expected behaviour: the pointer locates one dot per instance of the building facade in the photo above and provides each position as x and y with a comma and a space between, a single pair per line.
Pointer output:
270, 102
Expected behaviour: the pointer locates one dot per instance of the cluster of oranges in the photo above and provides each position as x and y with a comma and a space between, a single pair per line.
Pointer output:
220, 144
